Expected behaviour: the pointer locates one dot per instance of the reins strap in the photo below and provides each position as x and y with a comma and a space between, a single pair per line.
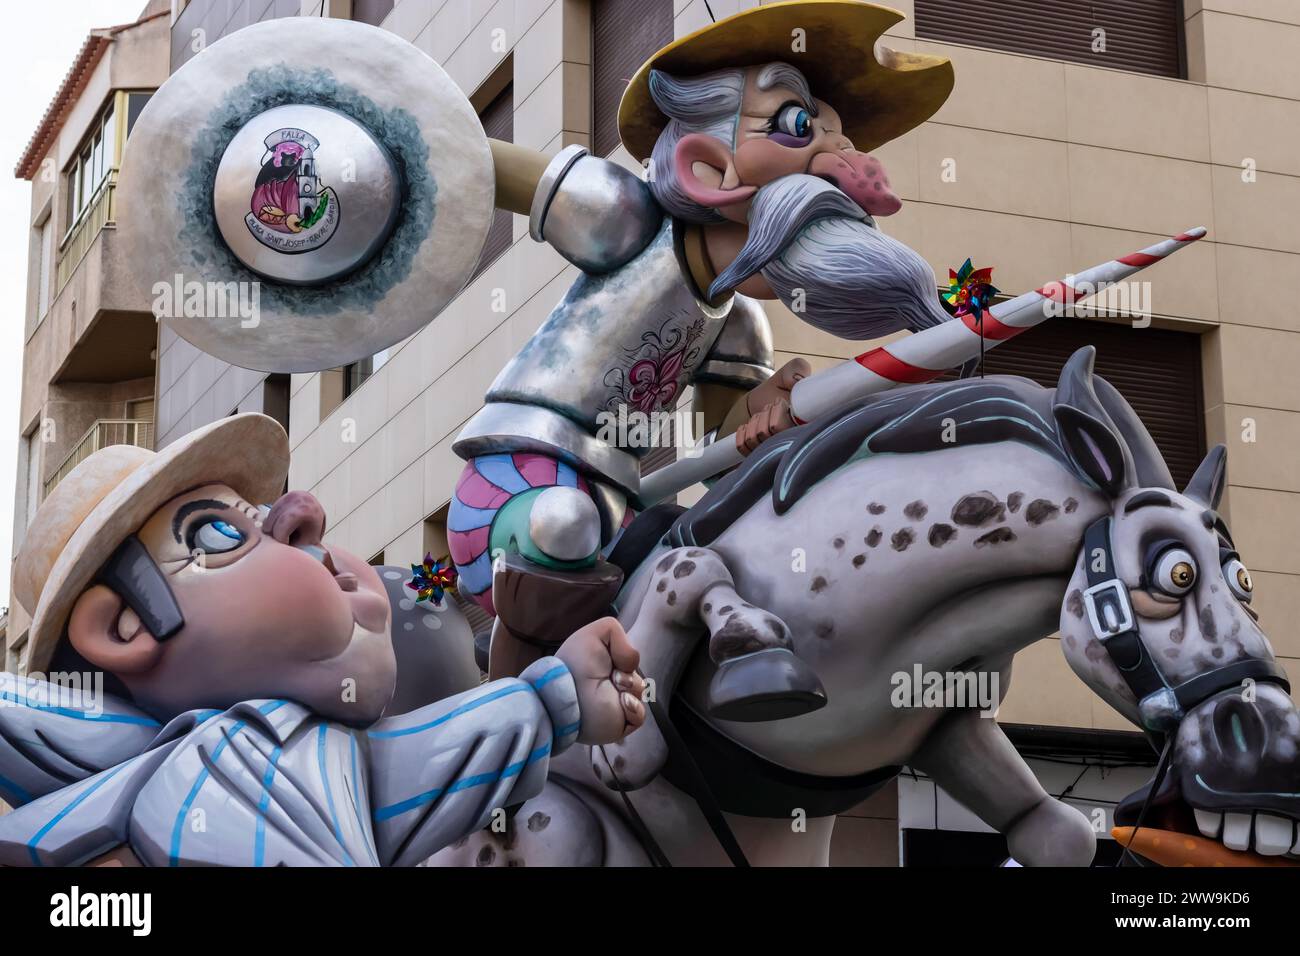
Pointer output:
1161, 769
657, 856
699, 787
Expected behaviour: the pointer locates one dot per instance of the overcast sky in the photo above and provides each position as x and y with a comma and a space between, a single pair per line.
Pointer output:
37, 46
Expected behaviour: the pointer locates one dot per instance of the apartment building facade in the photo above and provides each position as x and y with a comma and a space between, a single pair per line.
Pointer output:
1052, 154
89, 342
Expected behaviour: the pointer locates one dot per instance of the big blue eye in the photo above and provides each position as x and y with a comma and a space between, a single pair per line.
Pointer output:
794, 121
216, 536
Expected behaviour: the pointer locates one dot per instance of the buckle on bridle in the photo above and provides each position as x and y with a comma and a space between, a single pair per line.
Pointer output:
1109, 610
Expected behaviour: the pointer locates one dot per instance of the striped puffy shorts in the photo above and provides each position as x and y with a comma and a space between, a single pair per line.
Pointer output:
485, 486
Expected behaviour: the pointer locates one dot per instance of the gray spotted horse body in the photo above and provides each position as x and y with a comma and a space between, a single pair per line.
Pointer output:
946, 526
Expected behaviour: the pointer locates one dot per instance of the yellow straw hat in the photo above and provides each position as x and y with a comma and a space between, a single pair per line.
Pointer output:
877, 99
113, 492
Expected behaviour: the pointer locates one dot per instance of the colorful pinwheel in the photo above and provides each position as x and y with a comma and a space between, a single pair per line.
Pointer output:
431, 580
970, 289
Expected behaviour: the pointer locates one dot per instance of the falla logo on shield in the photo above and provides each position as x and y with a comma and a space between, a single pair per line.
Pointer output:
290, 211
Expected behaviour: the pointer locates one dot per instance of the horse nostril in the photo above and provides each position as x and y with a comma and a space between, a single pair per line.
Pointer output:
1238, 728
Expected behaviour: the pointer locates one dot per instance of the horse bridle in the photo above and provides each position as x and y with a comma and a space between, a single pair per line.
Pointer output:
1162, 704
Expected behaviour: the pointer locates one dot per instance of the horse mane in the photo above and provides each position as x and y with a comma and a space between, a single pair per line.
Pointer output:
901, 421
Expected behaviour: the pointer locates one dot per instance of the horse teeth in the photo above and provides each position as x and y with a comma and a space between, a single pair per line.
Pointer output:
1208, 821
1236, 831
1273, 835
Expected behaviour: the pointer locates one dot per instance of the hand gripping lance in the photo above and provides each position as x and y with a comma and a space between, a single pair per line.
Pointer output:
920, 357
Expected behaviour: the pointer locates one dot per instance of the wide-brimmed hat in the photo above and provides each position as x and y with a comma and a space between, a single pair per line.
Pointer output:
112, 493
878, 97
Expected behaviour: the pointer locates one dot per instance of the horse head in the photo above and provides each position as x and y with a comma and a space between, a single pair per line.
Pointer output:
1158, 621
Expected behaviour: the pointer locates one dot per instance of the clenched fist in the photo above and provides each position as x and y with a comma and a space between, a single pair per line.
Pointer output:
603, 664
769, 406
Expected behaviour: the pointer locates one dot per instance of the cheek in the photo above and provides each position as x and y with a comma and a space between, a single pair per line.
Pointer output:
274, 594
759, 161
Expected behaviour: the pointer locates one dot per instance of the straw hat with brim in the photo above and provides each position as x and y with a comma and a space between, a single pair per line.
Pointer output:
877, 99
112, 493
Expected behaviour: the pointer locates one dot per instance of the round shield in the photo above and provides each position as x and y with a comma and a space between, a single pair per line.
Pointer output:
304, 193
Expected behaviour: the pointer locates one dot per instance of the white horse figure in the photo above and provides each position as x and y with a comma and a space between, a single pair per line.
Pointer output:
946, 526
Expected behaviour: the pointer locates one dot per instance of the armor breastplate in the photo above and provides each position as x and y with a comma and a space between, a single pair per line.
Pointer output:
627, 341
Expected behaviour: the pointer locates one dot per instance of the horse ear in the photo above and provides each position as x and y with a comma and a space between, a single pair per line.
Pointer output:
1206, 486
1086, 431
1095, 449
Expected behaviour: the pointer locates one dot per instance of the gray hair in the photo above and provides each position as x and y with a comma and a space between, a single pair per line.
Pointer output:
708, 104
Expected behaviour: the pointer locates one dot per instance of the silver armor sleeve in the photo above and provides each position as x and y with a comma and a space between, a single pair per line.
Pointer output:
742, 353
593, 212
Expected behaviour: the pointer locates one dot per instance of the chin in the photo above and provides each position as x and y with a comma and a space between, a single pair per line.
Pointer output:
357, 684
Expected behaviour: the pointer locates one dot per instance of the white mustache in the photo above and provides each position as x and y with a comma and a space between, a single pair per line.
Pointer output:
824, 258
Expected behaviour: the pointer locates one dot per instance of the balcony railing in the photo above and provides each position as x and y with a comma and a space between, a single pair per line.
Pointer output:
93, 218
104, 432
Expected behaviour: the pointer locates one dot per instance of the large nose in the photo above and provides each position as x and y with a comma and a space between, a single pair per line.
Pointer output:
296, 519
861, 177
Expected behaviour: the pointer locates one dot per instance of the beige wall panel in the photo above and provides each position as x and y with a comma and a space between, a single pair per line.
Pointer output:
1266, 528
1133, 111
1277, 600
1272, 459
1257, 367
1012, 174
1249, 126
1248, 281
1260, 213
1045, 691
1283, 11
1252, 55
1003, 92
1132, 191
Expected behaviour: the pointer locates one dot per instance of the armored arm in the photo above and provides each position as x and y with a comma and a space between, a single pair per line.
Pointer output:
439, 772
741, 358
595, 213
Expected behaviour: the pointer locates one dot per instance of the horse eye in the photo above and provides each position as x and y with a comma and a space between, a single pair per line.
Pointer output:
216, 536
1174, 572
793, 121
1238, 578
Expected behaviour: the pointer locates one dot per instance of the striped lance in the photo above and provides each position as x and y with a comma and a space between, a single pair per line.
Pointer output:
920, 357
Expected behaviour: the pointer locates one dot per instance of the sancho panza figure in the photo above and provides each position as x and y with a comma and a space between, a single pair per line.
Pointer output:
248, 671
754, 134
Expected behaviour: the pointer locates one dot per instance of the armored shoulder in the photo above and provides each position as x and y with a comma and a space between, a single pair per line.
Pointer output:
595, 213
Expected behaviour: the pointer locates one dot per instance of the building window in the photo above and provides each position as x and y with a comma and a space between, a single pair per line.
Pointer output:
624, 34
46, 240
498, 119
1144, 36
371, 11
100, 154
358, 372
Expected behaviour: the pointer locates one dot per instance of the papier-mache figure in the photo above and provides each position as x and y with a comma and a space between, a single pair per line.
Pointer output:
248, 666
754, 132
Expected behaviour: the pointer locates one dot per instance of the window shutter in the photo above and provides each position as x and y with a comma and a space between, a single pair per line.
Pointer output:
1158, 371
625, 33
498, 119
371, 11
1144, 36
